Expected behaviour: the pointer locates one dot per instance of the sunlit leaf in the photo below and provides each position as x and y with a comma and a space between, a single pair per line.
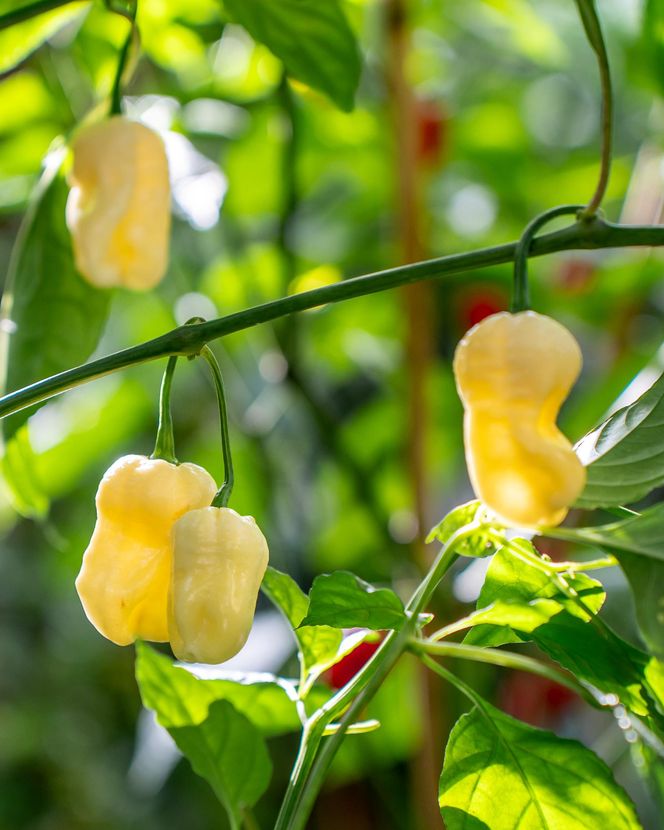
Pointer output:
19, 40
343, 600
311, 37
501, 774
624, 456
479, 544
181, 699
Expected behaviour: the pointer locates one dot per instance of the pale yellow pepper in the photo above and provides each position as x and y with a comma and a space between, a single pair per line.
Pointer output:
125, 576
219, 560
119, 206
513, 372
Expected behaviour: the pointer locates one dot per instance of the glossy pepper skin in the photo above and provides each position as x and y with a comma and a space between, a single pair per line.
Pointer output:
124, 579
119, 206
513, 372
219, 560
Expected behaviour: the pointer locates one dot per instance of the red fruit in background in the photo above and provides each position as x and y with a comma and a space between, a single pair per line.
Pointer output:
349, 666
432, 132
478, 302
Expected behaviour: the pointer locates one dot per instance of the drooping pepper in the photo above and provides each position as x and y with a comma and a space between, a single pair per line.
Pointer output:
513, 372
219, 560
125, 576
118, 211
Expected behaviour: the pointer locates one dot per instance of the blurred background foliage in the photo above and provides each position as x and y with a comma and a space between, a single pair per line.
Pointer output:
470, 118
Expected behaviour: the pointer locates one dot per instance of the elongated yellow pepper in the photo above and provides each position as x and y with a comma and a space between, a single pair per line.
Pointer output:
119, 206
513, 372
125, 576
219, 560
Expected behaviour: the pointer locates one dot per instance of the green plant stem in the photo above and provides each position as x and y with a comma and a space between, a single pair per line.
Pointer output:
116, 92
311, 766
503, 658
521, 294
188, 340
27, 12
224, 492
165, 445
593, 31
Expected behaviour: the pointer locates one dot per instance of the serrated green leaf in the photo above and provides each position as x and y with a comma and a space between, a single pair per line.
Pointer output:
318, 645
19, 40
479, 544
502, 774
52, 318
228, 751
311, 37
343, 600
181, 699
624, 456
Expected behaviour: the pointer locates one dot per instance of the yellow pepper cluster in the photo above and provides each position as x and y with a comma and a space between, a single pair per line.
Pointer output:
163, 565
513, 372
119, 206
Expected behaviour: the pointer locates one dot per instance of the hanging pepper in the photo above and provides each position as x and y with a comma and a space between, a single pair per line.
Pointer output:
513, 372
118, 211
219, 560
124, 579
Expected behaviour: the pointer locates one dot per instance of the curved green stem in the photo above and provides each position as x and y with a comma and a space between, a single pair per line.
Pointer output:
593, 31
224, 492
520, 294
188, 340
165, 445
116, 93
505, 659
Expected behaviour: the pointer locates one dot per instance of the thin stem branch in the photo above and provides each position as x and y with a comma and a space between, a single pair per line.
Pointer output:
520, 293
503, 658
224, 492
165, 445
593, 31
189, 339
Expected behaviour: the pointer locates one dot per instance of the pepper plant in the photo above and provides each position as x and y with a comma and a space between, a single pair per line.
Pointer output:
499, 772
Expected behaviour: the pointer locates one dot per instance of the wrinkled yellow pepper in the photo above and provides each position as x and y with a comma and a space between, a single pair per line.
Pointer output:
219, 560
119, 206
125, 576
513, 372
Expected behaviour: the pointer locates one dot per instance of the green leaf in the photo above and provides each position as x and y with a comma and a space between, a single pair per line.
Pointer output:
479, 544
318, 645
641, 533
574, 637
311, 37
624, 455
52, 318
343, 600
228, 751
19, 40
521, 616
501, 774
646, 579
181, 699
19, 473
651, 48
520, 586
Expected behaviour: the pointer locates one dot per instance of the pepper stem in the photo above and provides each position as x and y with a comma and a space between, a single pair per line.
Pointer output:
165, 445
520, 292
123, 59
224, 492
